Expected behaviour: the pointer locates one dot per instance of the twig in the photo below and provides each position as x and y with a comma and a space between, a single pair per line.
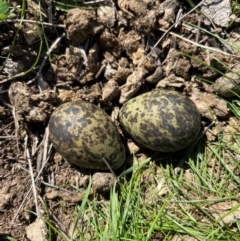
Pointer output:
63, 83
25, 146
16, 76
100, 71
207, 59
34, 145
38, 175
39, 160
5, 103
84, 59
226, 46
94, 2
167, 31
16, 125
212, 49
58, 188
42, 85
198, 31
32, 21
24, 169
179, 16
6, 126
50, 12
20, 207
45, 145
33, 182
203, 40
7, 137
45, 58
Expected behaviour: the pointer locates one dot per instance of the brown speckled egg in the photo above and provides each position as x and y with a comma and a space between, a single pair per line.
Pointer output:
161, 120
83, 134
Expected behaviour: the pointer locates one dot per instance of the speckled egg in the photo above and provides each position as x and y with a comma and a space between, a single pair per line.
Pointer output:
83, 134
161, 120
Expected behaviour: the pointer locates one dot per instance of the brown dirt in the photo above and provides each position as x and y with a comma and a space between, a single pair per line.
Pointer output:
98, 60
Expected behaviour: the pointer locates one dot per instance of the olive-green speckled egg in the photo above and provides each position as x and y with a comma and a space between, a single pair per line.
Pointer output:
161, 120
83, 134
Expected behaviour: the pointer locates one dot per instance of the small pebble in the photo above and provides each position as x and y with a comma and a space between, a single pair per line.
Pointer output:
103, 181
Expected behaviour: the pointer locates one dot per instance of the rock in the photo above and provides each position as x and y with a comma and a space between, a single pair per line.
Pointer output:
37, 231
103, 181
228, 85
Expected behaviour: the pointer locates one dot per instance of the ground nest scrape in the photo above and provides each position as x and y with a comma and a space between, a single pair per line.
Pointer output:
105, 55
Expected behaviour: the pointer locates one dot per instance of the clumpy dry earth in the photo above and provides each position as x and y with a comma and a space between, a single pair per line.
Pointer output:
100, 57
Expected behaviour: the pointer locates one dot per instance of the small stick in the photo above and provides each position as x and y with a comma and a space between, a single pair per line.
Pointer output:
15, 76
34, 145
28, 192
83, 52
39, 160
16, 126
58, 188
33, 183
51, 178
198, 31
94, 2
212, 49
63, 83
5, 103
189, 28
49, 10
42, 85
226, 46
84, 59
167, 31
7, 137
100, 71
25, 146
6, 126
179, 16
32, 21
45, 145
20, 207
45, 58
203, 40
24, 169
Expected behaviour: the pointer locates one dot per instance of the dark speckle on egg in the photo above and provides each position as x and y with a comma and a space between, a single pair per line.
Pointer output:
161, 120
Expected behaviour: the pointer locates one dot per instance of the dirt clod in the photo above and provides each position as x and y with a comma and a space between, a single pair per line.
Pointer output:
80, 24
37, 231
102, 182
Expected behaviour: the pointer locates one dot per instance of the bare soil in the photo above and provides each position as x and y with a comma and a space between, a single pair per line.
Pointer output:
100, 60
